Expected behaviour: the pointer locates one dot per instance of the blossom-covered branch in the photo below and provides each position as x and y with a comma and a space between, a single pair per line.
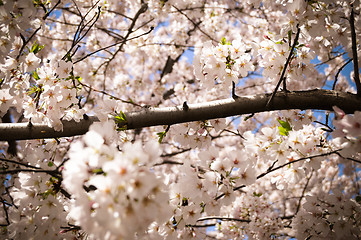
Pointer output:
314, 99
223, 153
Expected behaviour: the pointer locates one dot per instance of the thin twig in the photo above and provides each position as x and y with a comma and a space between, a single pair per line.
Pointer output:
51, 10
282, 77
269, 170
295, 161
234, 95
223, 219
195, 24
112, 45
142, 9
354, 52
168, 162
19, 163
329, 129
338, 73
348, 158
77, 37
3, 201
111, 96
303, 193
50, 172
175, 153
202, 226
25, 42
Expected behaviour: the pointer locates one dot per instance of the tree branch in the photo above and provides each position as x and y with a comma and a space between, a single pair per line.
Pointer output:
354, 52
282, 77
338, 73
311, 99
223, 219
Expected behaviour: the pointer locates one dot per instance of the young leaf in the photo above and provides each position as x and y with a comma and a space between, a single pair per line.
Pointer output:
223, 41
257, 194
284, 128
285, 125
36, 48
35, 75
283, 131
121, 121
289, 33
161, 135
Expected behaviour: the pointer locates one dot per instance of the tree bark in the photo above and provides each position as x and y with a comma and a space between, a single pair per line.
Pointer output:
311, 99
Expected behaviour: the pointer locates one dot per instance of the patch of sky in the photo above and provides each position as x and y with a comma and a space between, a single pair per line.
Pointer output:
345, 70
160, 25
188, 55
57, 13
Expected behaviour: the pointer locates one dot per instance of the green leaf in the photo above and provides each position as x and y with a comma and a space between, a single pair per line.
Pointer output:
131, 100
289, 33
34, 89
50, 164
283, 131
68, 58
162, 3
36, 48
121, 121
257, 194
120, 118
248, 117
161, 135
122, 128
285, 124
284, 128
184, 202
223, 41
35, 75
98, 171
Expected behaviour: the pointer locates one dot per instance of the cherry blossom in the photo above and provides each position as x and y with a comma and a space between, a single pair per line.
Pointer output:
83, 81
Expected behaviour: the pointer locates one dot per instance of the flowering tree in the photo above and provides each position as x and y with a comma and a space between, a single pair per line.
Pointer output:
167, 119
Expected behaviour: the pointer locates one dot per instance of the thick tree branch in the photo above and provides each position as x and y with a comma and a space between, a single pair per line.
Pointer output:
312, 99
22, 131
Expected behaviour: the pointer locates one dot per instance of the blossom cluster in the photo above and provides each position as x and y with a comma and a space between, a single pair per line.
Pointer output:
15, 19
284, 143
50, 98
276, 50
261, 176
41, 210
348, 132
261, 220
197, 134
115, 194
224, 63
328, 216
